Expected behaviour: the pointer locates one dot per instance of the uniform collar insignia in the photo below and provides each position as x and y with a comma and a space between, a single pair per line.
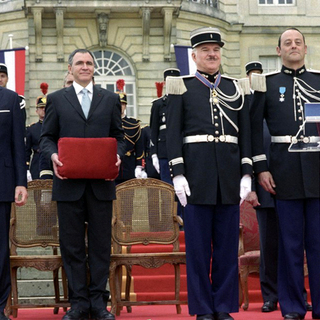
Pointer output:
210, 77
292, 71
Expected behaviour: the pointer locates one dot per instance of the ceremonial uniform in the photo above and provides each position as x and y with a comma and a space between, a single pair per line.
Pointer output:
158, 129
146, 138
33, 149
208, 141
158, 136
134, 149
279, 98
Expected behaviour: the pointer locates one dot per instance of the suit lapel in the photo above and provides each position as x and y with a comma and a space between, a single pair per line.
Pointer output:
96, 98
71, 96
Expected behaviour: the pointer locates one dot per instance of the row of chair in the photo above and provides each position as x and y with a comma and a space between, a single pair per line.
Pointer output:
144, 213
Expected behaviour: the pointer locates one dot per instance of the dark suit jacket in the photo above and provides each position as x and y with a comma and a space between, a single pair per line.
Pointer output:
12, 150
64, 118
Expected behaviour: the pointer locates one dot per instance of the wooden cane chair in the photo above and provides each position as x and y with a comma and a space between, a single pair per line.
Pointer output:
36, 225
144, 214
249, 250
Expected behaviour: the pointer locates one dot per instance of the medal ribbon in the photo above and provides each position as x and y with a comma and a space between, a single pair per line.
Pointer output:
206, 82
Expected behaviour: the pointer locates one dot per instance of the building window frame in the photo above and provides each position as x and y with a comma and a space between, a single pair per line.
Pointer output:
110, 66
276, 2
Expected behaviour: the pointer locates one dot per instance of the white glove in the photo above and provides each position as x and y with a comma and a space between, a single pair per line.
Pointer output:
140, 173
155, 162
29, 177
245, 186
181, 187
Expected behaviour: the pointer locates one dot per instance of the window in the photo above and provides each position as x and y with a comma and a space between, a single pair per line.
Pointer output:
270, 64
110, 67
276, 2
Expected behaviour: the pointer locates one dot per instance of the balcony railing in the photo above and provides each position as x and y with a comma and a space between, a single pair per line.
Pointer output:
210, 3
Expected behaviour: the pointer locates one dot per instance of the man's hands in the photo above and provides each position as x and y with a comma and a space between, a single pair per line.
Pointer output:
140, 173
266, 181
56, 163
20, 196
252, 198
155, 162
245, 186
181, 187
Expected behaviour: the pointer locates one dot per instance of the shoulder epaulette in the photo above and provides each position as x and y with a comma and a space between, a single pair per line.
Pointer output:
228, 77
31, 124
244, 84
272, 73
175, 85
313, 71
258, 81
156, 99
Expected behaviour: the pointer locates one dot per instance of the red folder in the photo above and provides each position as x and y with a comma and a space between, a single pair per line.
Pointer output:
88, 158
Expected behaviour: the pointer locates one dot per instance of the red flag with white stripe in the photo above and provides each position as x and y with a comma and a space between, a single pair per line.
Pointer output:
15, 60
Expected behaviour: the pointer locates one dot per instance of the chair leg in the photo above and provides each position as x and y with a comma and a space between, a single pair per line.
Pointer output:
128, 286
64, 286
244, 273
56, 290
240, 293
117, 277
112, 279
177, 286
7, 309
14, 288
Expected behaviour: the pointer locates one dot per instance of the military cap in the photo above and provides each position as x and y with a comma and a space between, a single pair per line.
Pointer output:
3, 68
253, 65
172, 72
41, 102
205, 35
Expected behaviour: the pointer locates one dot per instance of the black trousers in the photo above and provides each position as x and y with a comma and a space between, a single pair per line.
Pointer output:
86, 294
268, 230
5, 284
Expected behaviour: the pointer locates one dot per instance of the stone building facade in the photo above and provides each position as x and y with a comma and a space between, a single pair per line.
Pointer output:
134, 40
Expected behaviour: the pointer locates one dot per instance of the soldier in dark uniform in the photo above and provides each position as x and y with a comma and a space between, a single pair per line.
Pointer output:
131, 164
158, 131
146, 139
3, 83
264, 204
293, 177
32, 139
209, 153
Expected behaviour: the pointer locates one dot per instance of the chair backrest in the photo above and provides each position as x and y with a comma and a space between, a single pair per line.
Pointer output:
35, 224
145, 212
250, 228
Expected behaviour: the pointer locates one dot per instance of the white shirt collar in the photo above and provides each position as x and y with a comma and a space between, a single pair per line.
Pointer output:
78, 87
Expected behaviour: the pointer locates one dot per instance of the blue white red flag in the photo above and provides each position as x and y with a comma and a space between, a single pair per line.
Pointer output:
184, 60
15, 60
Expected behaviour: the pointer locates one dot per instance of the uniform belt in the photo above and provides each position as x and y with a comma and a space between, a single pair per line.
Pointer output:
162, 127
210, 138
291, 139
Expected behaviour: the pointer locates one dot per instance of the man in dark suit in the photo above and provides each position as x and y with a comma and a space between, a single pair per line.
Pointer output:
13, 180
83, 200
